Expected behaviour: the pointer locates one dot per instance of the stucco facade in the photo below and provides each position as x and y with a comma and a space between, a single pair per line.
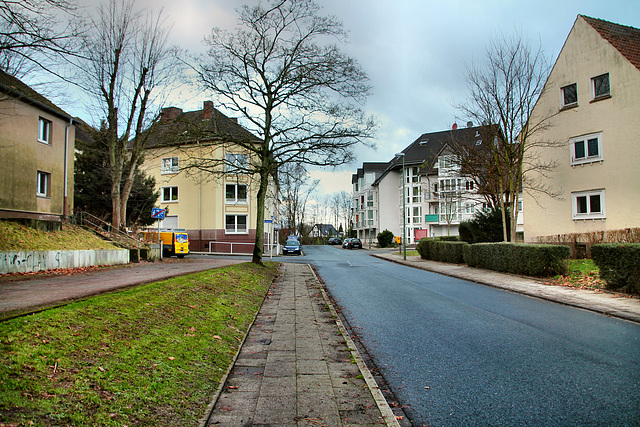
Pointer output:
218, 210
36, 153
594, 92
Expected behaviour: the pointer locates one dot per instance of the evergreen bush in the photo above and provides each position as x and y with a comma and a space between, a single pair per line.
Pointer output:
385, 238
518, 258
619, 264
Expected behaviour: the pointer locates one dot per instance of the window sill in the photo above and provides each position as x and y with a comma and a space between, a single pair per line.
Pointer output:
569, 107
600, 218
586, 162
600, 98
236, 232
42, 196
169, 201
168, 172
233, 202
44, 142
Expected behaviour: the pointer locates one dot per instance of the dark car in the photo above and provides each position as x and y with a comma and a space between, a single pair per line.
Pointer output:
335, 241
292, 247
345, 242
355, 244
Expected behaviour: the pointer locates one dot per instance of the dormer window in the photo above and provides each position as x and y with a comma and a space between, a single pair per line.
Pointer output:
569, 95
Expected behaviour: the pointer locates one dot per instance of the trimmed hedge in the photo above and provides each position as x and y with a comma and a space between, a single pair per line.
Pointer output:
619, 264
518, 258
440, 250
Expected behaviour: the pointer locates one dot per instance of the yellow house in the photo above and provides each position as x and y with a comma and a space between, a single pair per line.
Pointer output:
36, 154
216, 202
594, 92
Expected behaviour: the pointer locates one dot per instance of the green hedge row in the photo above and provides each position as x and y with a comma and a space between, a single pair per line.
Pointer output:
619, 264
440, 250
516, 258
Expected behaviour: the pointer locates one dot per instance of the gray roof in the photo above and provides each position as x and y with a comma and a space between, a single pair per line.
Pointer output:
15, 87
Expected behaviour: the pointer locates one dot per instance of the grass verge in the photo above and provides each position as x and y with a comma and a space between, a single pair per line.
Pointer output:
147, 356
583, 274
17, 237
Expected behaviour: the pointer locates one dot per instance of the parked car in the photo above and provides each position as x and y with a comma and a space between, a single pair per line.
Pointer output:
355, 244
345, 242
292, 247
335, 241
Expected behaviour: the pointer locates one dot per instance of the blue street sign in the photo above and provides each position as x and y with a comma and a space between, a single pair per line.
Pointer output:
158, 213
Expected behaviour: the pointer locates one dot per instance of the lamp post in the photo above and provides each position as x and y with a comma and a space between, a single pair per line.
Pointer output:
404, 209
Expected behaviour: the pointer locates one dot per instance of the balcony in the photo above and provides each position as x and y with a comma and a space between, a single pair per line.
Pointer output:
432, 218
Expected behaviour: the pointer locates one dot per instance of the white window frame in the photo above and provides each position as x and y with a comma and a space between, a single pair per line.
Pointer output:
562, 97
236, 162
44, 130
236, 200
235, 229
594, 96
169, 165
589, 214
585, 139
171, 192
43, 188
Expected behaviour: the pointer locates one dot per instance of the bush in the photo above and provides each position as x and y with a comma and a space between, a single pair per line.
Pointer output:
619, 264
385, 238
518, 258
441, 250
484, 227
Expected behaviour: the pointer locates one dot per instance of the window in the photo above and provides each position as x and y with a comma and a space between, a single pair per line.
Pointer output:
44, 131
417, 215
235, 224
236, 163
44, 184
469, 208
169, 165
600, 87
569, 95
236, 193
170, 194
468, 185
586, 149
370, 217
370, 200
588, 204
415, 198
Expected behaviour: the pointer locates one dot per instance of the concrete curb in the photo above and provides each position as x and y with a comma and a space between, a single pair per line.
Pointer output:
386, 412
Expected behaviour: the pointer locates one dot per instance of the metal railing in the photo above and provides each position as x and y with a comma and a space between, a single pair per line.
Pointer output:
105, 229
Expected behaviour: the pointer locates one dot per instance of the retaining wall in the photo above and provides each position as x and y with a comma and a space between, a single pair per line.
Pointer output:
28, 261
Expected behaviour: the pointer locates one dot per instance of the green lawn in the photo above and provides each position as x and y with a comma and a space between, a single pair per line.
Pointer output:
147, 356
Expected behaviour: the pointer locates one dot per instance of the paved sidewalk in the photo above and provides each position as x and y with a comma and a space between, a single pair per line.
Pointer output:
601, 302
298, 366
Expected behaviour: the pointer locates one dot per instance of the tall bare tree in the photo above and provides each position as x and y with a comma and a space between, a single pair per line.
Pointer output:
295, 89
295, 188
125, 60
501, 95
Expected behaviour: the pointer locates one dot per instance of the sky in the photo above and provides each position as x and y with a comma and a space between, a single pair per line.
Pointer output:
415, 52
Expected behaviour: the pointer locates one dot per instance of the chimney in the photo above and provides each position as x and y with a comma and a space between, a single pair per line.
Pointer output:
170, 113
207, 110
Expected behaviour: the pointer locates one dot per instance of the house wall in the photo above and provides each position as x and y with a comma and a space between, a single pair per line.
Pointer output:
586, 55
22, 156
201, 206
388, 203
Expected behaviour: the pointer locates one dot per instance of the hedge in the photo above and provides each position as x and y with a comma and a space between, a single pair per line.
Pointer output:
619, 264
440, 250
518, 258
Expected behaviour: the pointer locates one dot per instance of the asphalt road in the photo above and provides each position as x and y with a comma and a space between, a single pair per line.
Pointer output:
459, 353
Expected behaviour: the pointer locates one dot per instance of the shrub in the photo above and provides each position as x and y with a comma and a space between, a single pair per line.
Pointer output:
518, 258
619, 264
484, 227
440, 250
385, 238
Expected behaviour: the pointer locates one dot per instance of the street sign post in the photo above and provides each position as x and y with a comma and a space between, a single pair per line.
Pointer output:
158, 213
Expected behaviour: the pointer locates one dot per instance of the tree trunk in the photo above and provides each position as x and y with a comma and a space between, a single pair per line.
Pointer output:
262, 195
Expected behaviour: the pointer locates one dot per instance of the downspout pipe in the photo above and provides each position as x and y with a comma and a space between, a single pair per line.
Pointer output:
66, 169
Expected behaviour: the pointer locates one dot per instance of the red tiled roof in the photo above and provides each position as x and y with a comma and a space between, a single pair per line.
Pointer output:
625, 39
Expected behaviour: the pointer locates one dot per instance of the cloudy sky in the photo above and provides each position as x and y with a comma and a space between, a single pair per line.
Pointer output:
414, 51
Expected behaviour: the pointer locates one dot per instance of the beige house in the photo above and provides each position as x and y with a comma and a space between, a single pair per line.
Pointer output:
594, 90
36, 153
218, 210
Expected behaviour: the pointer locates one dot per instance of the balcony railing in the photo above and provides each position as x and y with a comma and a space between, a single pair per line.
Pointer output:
432, 218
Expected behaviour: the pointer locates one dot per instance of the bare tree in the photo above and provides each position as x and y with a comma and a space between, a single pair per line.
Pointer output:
30, 30
502, 94
295, 188
125, 59
295, 90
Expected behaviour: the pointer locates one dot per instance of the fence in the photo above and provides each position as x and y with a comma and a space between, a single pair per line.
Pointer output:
268, 248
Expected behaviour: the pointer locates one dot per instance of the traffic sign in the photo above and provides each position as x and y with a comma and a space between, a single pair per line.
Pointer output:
158, 213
